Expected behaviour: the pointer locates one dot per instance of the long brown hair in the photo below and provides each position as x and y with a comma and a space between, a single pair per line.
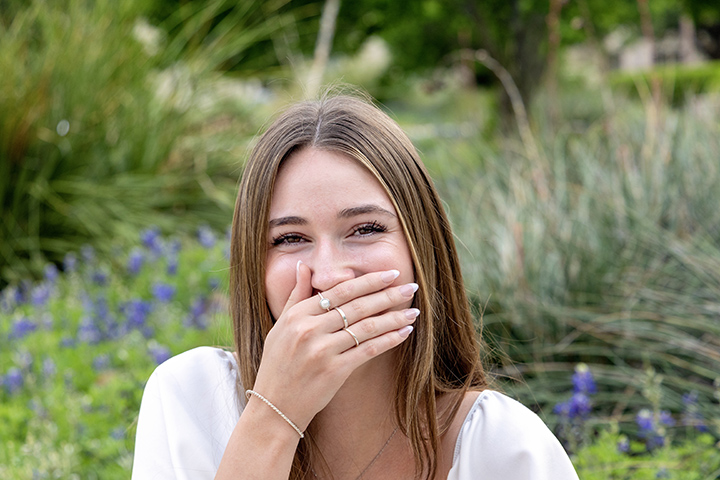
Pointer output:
443, 354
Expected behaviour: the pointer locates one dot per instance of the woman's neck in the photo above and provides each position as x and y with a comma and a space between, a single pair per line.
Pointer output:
357, 423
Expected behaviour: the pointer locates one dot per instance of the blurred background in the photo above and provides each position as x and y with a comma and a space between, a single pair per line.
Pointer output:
576, 144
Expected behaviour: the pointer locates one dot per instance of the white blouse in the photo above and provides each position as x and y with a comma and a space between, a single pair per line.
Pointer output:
190, 408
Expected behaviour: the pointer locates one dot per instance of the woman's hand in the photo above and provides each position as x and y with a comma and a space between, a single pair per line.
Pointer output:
308, 355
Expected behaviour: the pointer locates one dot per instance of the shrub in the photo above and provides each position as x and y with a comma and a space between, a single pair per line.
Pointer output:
107, 126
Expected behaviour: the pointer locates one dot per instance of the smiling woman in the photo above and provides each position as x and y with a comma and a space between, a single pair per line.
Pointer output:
355, 352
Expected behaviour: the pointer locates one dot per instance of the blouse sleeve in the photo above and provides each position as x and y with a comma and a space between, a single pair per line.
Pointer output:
502, 438
188, 411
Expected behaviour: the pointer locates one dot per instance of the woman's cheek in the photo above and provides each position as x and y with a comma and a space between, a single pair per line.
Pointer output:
280, 278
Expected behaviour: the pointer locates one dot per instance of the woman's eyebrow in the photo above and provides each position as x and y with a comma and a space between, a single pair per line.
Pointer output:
344, 213
279, 222
362, 210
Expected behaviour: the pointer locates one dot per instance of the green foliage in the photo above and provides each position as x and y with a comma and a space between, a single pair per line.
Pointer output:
602, 248
105, 128
81, 354
693, 459
677, 82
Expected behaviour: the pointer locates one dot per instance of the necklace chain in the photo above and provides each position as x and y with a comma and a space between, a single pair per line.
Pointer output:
372, 462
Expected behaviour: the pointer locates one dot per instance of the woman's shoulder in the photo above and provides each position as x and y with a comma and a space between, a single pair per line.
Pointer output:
196, 377
200, 362
189, 404
505, 439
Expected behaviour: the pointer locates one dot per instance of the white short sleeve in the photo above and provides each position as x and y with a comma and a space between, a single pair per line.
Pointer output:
188, 411
503, 439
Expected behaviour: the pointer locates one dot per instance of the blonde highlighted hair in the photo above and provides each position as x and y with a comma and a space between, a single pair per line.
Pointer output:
443, 354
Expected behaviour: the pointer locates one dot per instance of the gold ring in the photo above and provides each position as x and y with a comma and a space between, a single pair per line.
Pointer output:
344, 318
357, 343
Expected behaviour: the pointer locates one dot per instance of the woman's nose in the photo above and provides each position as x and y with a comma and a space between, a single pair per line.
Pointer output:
329, 266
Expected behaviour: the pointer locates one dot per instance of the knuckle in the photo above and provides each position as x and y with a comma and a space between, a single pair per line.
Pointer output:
372, 349
343, 291
367, 326
358, 309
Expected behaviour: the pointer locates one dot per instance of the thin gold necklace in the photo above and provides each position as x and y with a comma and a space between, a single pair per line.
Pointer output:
372, 462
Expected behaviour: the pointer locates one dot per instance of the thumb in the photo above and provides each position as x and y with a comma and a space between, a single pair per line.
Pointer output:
303, 287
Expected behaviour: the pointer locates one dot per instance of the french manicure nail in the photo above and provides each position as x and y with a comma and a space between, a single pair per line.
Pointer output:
412, 313
389, 276
409, 289
405, 331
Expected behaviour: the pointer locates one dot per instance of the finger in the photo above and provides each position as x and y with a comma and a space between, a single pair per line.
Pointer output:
303, 286
373, 327
358, 287
369, 305
376, 346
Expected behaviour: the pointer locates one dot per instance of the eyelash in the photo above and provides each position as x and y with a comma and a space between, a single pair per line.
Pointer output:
373, 228
368, 228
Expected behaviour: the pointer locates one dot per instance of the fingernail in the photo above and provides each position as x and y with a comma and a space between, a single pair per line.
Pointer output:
405, 331
389, 276
412, 313
409, 289
297, 267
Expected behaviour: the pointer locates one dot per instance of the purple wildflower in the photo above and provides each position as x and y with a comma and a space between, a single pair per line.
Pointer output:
172, 264
654, 437
51, 272
48, 367
135, 261
662, 473
67, 342
644, 420
206, 237
197, 317
70, 262
691, 413
24, 360
174, 246
150, 237
40, 294
101, 362
87, 252
99, 277
213, 283
160, 353
21, 328
118, 433
623, 444
88, 332
667, 419
136, 312
13, 380
163, 292
583, 381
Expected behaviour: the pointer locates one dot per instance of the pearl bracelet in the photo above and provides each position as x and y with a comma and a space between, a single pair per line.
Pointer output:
277, 410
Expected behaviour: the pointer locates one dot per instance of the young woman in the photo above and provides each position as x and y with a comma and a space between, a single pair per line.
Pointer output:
356, 352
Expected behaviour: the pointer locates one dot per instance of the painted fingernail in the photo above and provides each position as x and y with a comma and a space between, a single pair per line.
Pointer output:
409, 289
389, 276
297, 267
412, 313
405, 331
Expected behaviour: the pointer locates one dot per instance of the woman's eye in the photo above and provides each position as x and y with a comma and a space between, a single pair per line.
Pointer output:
287, 239
369, 229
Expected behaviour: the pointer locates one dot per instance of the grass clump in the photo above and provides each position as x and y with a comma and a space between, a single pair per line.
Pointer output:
599, 246
108, 125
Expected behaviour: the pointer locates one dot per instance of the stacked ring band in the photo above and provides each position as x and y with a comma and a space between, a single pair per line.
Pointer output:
357, 343
344, 318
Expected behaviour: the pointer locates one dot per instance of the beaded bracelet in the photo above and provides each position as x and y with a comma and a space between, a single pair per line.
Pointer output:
277, 410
